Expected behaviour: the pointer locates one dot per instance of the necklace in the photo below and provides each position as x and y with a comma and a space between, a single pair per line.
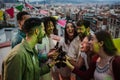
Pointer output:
102, 69
105, 67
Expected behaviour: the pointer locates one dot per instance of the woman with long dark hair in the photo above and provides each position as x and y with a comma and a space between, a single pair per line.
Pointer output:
69, 36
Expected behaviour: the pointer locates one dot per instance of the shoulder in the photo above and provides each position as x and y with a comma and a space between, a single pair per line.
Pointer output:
17, 50
95, 58
76, 42
15, 54
116, 67
116, 60
17, 37
116, 63
77, 38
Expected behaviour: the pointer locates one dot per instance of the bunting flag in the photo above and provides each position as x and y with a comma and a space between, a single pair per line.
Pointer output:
20, 7
10, 12
62, 23
1, 15
28, 5
117, 44
44, 12
56, 17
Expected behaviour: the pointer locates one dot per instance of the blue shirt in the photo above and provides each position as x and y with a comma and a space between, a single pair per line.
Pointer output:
18, 38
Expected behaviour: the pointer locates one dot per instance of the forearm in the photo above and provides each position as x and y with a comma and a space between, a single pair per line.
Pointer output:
44, 69
89, 73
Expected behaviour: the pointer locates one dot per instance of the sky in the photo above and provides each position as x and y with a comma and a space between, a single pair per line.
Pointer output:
90, 0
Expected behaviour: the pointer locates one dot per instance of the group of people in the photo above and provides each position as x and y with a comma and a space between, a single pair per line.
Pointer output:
89, 55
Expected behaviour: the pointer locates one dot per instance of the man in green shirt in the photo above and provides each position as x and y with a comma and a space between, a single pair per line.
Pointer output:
22, 62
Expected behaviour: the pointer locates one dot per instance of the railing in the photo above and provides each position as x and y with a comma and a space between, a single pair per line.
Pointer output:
5, 44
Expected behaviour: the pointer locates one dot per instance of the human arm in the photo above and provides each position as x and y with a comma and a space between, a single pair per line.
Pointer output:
78, 63
50, 54
86, 75
116, 68
46, 67
13, 67
89, 73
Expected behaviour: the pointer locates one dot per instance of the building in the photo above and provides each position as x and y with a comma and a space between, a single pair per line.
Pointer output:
1, 4
113, 24
10, 1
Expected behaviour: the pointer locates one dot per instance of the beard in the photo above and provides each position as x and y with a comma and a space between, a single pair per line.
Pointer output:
82, 36
40, 38
40, 42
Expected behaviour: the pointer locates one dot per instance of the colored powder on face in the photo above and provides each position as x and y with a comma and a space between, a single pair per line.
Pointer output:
96, 47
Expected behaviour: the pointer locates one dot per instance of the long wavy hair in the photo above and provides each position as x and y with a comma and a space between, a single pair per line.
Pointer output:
46, 21
66, 34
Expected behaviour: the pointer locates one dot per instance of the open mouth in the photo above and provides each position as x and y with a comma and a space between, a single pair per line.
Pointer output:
70, 31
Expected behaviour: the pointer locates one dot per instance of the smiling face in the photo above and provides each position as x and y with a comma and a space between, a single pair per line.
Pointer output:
41, 33
50, 28
70, 29
81, 29
85, 45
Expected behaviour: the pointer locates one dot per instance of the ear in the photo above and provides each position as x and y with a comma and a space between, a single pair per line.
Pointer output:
88, 29
101, 43
36, 31
19, 23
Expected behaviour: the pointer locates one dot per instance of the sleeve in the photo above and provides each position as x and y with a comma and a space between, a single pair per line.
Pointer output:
44, 69
73, 50
61, 42
87, 75
116, 68
15, 41
13, 67
42, 56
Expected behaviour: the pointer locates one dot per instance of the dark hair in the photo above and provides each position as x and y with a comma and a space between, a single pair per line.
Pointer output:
83, 22
66, 35
46, 21
20, 14
108, 45
89, 37
30, 24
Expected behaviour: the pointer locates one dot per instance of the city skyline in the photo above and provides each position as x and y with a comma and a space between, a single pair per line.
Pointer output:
74, 0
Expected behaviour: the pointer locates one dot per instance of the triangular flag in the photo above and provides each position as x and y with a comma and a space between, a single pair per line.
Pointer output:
10, 12
20, 7
1, 15
44, 12
56, 17
62, 22
28, 5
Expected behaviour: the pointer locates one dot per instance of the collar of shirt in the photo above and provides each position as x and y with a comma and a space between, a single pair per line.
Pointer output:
28, 48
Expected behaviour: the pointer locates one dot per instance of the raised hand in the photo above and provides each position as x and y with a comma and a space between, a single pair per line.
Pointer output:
67, 62
52, 63
52, 53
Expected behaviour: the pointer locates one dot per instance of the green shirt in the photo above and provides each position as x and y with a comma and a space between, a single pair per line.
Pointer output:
22, 64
